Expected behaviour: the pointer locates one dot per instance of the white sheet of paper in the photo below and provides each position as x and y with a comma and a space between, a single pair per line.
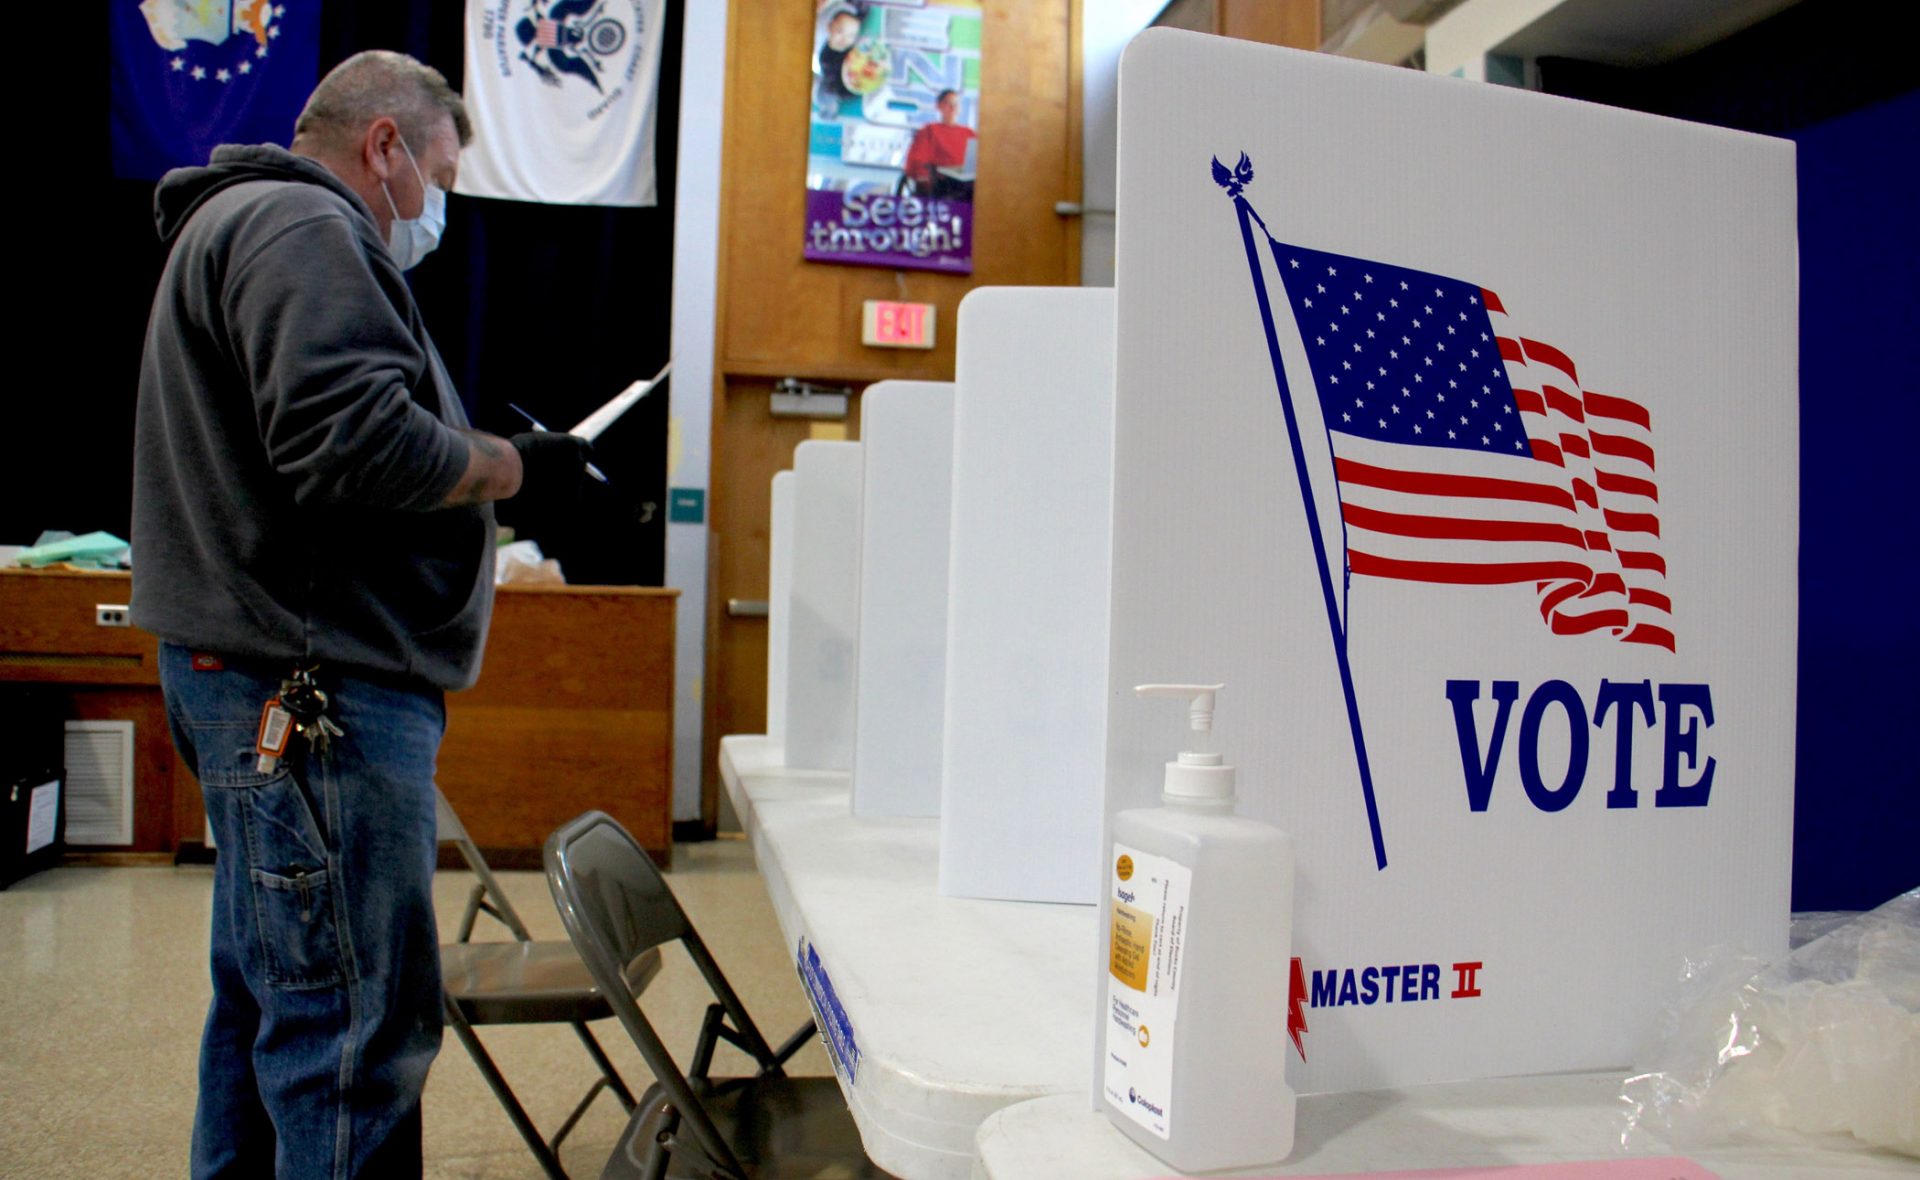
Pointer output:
43, 816
591, 426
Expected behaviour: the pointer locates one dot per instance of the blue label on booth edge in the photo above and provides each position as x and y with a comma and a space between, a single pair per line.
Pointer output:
834, 1025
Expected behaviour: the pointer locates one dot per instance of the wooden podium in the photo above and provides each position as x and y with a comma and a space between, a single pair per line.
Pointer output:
573, 710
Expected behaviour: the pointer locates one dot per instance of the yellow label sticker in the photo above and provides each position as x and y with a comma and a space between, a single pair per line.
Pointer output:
1124, 867
1132, 941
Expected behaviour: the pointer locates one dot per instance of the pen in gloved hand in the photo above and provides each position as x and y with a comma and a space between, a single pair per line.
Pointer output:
534, 422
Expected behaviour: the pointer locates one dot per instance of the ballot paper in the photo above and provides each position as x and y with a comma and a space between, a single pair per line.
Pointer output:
591, 426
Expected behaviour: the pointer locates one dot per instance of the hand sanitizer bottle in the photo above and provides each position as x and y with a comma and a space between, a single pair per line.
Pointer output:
1201, 905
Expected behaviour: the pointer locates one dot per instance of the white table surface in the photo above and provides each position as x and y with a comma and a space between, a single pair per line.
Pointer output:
1497, 1122
972, 1022
959, 1007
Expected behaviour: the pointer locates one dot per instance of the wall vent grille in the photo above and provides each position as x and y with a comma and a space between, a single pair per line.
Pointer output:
99, 782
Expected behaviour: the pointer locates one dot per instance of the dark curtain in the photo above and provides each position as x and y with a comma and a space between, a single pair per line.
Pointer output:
1827, 76
553, 308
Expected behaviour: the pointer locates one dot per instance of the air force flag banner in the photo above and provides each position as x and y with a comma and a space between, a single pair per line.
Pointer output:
189, 75
562, 94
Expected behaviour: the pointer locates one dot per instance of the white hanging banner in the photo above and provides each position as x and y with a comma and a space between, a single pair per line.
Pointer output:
563, 99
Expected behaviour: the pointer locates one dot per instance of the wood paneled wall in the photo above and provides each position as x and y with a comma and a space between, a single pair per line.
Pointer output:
1292, 23
781, 316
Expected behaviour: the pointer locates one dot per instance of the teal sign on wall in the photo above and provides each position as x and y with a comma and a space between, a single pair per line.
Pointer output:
686, 505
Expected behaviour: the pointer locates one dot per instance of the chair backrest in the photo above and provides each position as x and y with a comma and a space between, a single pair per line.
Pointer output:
613, 900
617, 907
487, 895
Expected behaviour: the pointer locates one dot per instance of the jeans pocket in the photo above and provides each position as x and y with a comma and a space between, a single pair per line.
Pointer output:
290, 866
298, 936
224, 754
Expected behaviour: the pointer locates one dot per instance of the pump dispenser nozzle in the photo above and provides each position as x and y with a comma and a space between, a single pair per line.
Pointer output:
1199, 711
1198, 774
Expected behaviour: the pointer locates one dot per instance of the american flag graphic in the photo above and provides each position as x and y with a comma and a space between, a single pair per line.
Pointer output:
546, 33
1468, 453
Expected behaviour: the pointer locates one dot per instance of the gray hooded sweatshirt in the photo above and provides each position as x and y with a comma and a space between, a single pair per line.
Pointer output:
295, 434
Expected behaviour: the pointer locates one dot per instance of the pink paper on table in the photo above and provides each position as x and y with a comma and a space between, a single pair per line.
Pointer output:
1640, 1168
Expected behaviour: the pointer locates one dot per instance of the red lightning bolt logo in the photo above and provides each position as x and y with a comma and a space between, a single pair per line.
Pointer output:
1296, 1015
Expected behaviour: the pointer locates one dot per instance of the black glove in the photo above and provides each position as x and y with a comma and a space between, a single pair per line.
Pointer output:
552, 465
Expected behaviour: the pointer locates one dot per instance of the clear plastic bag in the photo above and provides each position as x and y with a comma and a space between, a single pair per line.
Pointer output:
1824, 1042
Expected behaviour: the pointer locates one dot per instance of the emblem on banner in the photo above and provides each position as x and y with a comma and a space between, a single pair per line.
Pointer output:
573, 37
214, 40
562, 95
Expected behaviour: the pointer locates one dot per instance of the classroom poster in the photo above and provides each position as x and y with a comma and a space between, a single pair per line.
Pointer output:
893, 122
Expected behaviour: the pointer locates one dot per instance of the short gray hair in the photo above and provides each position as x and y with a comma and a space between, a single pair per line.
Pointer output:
380, 82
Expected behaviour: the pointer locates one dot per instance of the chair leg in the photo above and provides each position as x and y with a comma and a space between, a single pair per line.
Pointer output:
549, 1162
614, 1081
579, 1110
667, 1143
609, 1079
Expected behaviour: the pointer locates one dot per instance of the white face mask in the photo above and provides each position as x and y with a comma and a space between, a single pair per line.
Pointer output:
410, 240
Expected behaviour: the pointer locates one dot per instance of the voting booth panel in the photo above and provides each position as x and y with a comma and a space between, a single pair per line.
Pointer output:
823, 620
779, 602
906, 432
1456, 433
1027, 595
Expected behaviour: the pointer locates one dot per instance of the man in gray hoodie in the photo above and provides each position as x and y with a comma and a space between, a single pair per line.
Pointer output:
313, 544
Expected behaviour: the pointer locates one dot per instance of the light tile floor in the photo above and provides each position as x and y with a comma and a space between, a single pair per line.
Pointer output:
103, 985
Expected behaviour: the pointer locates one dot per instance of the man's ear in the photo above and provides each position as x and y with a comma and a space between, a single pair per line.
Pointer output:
375, 144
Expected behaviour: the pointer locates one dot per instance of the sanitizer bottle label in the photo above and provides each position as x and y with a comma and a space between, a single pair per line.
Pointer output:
1149, 895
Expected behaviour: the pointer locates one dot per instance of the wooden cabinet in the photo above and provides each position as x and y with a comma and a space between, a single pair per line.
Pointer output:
49, 638
573, 709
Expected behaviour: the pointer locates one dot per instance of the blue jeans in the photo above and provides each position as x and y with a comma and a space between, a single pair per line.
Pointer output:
326, 960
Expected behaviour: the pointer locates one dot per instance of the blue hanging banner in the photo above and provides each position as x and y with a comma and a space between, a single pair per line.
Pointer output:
189, 75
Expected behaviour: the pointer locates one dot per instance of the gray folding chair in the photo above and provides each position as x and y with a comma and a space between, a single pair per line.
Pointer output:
523, 982
765, 1127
